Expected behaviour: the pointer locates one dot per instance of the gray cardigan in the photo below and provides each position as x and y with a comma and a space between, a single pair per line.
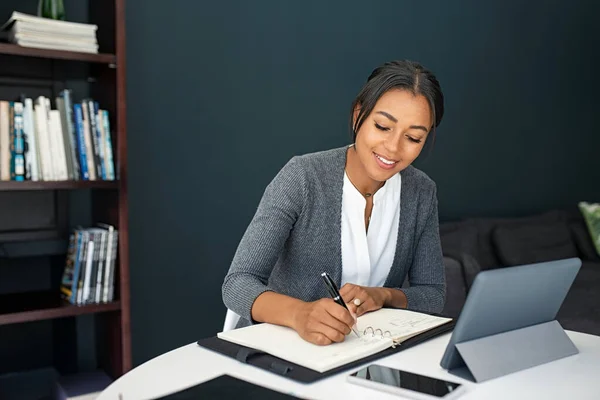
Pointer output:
295, 235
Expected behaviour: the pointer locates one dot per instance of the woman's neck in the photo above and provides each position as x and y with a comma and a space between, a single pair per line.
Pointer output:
358, 176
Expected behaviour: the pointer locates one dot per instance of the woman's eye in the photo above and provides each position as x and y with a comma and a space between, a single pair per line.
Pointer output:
414, 140
381, 128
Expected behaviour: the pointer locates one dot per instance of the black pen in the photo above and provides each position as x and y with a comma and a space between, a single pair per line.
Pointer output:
335, 294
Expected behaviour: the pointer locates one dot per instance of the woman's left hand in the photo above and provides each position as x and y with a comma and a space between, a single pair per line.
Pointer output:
362, 299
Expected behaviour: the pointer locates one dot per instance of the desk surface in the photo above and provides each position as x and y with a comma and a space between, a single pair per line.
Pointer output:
575, 377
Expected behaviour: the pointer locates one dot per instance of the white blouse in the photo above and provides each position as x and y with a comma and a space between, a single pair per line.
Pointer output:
367, 256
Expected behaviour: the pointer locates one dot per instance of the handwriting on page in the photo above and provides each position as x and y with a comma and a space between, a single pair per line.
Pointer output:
352, 348
409, 325
400, 323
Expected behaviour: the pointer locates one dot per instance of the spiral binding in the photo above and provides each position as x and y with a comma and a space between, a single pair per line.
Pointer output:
382, 334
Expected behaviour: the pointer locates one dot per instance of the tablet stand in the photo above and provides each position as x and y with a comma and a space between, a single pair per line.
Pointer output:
501, 354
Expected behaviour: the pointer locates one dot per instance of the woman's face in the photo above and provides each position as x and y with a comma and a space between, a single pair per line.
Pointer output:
394, 134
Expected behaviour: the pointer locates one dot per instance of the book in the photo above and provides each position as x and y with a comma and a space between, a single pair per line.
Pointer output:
378, 330
45, 33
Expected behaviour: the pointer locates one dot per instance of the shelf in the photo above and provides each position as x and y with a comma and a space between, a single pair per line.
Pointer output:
56, 185
37, 306
35, 248
8, 48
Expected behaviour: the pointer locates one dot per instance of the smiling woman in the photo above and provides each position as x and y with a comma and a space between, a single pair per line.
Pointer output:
362, 213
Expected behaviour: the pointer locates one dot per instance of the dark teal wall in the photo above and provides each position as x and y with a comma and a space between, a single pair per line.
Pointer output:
222, 94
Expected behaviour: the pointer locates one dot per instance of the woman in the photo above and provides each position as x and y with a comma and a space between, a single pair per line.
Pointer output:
361, 213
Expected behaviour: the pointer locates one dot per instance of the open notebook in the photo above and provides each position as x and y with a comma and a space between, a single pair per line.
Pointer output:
378, 330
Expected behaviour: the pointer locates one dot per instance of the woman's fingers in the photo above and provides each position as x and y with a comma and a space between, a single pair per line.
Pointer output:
348, 292
318, 339
332, 321
330, 333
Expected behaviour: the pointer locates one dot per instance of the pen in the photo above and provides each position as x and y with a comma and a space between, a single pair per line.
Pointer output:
335, 294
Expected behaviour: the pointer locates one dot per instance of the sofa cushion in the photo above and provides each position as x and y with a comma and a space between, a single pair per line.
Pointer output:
580, 310
487, 255
458, 240
583, 242
456, 292
591, 214
532, 243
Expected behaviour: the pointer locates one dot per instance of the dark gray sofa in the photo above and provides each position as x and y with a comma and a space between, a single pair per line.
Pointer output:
476, 244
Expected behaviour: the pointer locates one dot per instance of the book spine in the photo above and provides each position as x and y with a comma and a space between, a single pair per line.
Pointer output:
66, 95
53, 142
94, 137
80, 133
89, 147
107, 273
77, 267
59, 146
113, 262
11, 139
101, 265
60, 105
66, 284
40, 142
110, 165
18, 163
99, 142
4, 141
30, 141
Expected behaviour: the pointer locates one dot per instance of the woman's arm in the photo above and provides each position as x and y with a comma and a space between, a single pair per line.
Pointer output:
245, 288
427, 276
320, 322
264, 238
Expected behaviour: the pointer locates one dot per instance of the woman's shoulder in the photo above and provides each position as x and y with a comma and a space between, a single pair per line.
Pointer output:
323, 157
319, 163
418, 178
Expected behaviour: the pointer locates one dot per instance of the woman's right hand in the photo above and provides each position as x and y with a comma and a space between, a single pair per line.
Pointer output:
323, 322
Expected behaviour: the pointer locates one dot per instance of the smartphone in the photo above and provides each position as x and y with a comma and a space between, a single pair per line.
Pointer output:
404, 383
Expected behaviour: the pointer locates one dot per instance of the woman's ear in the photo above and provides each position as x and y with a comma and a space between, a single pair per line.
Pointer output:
355, 115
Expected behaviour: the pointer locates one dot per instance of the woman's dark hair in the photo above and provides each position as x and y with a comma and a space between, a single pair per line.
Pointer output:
402, 74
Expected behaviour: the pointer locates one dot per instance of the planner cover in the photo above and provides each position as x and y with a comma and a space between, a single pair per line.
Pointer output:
281, 351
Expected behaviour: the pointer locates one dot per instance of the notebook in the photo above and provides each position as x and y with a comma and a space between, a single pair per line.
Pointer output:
378, 331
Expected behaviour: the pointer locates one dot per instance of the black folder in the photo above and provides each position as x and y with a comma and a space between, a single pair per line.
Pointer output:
302, 374
227, 387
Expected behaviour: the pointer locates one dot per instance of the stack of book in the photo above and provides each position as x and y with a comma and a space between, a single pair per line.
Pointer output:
89, 274
44, 33
71, 141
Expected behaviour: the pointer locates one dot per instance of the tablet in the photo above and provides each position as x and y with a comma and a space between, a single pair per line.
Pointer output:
509, 298
227, 387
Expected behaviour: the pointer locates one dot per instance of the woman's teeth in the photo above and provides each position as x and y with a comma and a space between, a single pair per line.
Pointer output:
385, 161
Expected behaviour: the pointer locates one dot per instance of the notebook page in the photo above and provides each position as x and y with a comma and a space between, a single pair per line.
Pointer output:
402, 324
285, 343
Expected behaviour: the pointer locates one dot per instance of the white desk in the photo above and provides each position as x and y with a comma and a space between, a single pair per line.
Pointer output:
575, 377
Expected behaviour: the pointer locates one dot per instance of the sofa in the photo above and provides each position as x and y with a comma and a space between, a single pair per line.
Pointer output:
475, 244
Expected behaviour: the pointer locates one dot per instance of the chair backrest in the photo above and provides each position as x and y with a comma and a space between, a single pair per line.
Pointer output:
231, 320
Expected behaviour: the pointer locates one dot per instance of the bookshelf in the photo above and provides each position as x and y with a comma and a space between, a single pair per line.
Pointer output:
56, 185
7, 48
35, 212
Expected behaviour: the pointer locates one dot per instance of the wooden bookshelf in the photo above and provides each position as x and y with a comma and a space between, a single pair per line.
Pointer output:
38, 306
12, 49
102, 77
56, 185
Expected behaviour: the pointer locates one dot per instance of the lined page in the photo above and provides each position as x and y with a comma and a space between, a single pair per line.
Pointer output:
285, 343
401, 324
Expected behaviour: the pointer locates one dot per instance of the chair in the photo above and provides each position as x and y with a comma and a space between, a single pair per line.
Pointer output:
231, 320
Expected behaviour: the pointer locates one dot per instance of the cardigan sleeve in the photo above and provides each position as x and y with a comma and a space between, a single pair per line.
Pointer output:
264, 238
427, 279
